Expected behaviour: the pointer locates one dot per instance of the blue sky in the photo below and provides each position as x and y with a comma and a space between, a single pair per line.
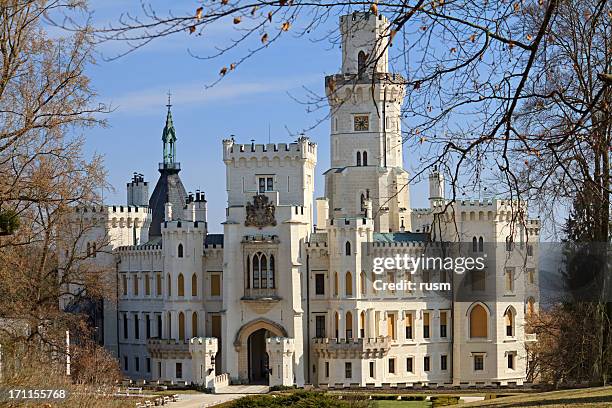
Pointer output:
254, 102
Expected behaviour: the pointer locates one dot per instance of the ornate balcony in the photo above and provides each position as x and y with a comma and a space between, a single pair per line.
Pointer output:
371, 347
261, 300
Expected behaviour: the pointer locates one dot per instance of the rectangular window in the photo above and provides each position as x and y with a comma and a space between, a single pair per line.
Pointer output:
179, 370
319, 284
320, 326
125, 363
511, 361
426, 363
265, 183
148, 325
478, 363
159, 326
391, 366
426, 325
215, 284
443, 362
509, 279
531, 275
135, 281
391, 326
478, 279
443, 324
148, 365
529, 250
136, 364
158, 284
124, 284
125, 326
136, 327
372, 369
348, 370
147, 285
327, 369
408, 326
409, 365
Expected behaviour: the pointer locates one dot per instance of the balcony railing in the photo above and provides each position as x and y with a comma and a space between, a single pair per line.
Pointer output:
260, 294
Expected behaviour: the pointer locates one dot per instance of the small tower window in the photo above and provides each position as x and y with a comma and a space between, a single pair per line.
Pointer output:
365, 158
180, 250
358, 164
347, 248
361, 62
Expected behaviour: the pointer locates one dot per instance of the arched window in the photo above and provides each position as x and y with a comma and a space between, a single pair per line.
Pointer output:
194, 325
474, 244
509, 322
336, 284
363, 283
349, 325
347, 248
181, 285
180, 250
478, 322
364, 157
88, 249
181, 326
169, 286
271, 277
248, 272
480, 244
358, 160
263, 271
256, 271
362, 324
194, 285
361, 62
362, 201
336, 324
348, 284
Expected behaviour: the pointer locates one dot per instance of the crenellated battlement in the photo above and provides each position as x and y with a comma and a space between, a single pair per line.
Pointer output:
112, 209
183, 226
302, 149
345, 222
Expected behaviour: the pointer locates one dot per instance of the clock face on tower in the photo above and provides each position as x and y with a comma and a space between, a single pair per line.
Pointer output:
361, 123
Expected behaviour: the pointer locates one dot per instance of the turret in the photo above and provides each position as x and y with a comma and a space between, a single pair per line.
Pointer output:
436, 188
138, 191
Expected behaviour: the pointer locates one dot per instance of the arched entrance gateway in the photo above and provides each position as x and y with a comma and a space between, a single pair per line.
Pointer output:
250, 344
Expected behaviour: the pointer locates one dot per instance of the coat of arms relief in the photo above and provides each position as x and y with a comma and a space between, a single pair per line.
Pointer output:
260, 213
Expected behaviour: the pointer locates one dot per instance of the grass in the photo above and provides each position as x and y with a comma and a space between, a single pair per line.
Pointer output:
580, 398
402, 404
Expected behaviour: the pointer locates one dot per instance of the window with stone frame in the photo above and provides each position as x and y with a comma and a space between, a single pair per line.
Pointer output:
261, 271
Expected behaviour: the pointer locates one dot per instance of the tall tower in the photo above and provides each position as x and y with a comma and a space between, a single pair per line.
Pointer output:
366, 143
169, 187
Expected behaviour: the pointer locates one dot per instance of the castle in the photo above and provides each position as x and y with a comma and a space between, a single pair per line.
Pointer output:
282, 298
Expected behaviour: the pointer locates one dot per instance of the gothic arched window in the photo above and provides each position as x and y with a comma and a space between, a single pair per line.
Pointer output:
347, 248
478, 322
181, 285
361, 62
358, 164
480, 244
364, 158
248, 272
474, 245
181, 324
263, 271
180, 250
194, 285
362, 202
348, 284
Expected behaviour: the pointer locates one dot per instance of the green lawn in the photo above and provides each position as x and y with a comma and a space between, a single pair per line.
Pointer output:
582, 398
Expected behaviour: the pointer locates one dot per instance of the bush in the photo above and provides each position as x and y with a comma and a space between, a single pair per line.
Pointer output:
444, 400
299, 399
413, 397
282, 387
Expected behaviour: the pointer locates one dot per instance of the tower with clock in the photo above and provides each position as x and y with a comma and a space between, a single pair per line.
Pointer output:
366, 142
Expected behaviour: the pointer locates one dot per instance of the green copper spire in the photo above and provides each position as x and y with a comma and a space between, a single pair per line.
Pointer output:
169, 137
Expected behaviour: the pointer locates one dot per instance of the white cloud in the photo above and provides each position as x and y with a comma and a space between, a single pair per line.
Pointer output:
149, 100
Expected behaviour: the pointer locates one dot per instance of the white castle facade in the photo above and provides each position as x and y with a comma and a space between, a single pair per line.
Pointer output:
283, 298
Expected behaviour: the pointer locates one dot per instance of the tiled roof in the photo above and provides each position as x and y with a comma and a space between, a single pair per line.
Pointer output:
400, 237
